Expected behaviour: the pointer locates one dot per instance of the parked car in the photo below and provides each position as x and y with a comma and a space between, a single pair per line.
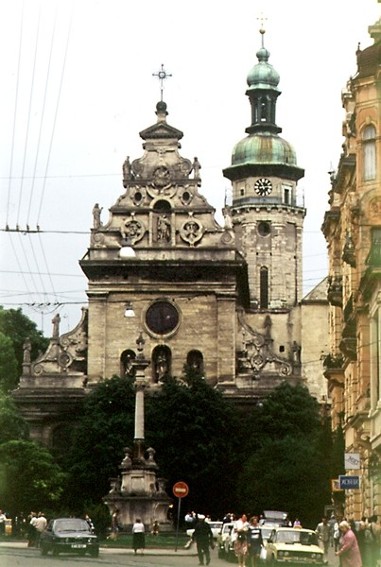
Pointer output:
274, 518
287, 546
215, 527
69, 535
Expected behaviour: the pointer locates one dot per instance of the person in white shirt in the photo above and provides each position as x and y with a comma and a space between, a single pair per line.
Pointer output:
40, 524
138, 536
2, 523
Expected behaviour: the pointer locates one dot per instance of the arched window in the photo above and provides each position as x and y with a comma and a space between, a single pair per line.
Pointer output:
195, 361
369, 153
161, 363
126, 367
264, 288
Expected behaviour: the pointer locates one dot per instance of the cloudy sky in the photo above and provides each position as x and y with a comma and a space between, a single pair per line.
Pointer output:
78, 87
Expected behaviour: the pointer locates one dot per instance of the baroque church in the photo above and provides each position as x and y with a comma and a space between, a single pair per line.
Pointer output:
165, 278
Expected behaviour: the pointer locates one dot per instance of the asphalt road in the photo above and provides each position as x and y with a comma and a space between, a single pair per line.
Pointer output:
21, 556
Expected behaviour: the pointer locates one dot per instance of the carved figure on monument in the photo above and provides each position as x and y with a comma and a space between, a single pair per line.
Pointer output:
56, 326
161, 177
196, 168
127, 171
191, 231
97, 216
163, 228
161, 369
132, 231
27, 347
227, 218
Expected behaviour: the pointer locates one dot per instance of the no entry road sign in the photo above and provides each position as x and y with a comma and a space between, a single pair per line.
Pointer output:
180, 489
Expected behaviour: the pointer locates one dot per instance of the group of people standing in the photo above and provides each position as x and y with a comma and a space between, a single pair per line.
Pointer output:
358, 544
248, 542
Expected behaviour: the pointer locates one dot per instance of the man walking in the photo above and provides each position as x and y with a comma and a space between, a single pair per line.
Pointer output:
323, 531
203, 536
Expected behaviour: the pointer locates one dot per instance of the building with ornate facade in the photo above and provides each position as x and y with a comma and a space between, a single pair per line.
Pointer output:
352, 228
225, 300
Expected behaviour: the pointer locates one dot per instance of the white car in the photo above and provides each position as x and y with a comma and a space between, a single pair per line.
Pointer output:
215, 527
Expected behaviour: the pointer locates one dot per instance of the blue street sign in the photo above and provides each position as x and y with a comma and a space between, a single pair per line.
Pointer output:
349, 482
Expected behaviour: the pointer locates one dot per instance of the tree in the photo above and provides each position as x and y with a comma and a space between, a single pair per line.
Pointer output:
191, 427
196, 433
12, 425
8, 364
29, 478
104, 429
288, 465
17, 327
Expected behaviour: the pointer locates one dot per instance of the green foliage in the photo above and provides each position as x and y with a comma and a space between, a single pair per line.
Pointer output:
8, 364
290, 462
29, 478
104, 429
12, 425
194, 431
17, 327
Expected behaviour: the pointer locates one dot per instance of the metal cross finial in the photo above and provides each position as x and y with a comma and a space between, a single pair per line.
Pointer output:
162, 75
262, 30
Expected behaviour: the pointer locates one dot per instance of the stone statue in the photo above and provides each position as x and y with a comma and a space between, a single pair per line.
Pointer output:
97, 216
196, 168
161, 367
127, 171
163, 228
227, 218
27, 347
56, 326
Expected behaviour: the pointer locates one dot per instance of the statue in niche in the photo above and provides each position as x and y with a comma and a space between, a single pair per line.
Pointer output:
97, 216
161, 367
296, 350
163, 228
227, 218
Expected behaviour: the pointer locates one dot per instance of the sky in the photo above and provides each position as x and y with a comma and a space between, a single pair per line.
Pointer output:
78, 86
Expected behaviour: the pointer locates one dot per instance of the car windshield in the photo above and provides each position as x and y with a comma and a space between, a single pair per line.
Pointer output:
266, 532
297, 536
71, 525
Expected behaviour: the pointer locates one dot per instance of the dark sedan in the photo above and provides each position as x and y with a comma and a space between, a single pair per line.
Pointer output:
69, 535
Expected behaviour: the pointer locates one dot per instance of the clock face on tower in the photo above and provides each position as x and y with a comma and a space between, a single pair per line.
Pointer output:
263, 186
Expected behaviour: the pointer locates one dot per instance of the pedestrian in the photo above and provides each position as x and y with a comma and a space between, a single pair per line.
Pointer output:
240, 544
336, 534
254, 541
324, 535
375, 539
349, 552
31, 529
138, 536
89, 522
114, 524
203, 536
155, 528
297, 523
40, 524
3, 517
364, 540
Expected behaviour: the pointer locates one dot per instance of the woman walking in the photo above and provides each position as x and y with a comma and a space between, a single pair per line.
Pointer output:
138, 536
349, 552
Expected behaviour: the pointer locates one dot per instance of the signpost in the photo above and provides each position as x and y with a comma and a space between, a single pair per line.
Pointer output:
180, 490
352, 461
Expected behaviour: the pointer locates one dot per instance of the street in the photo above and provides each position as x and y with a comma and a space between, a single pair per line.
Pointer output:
28, 557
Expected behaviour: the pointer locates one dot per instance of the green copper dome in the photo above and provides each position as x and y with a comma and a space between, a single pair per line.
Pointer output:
263, 75
263, 148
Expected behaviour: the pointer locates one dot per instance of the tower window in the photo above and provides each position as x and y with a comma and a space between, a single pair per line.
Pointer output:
264, 287
264, 228
242, 191
286, 195
369, 153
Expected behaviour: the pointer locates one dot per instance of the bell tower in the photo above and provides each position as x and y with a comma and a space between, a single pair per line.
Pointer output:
267, 217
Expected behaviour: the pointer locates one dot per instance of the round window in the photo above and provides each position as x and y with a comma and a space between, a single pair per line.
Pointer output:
264, 228
162, 317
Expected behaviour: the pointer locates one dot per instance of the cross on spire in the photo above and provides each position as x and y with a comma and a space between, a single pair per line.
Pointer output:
262, 30
162, 75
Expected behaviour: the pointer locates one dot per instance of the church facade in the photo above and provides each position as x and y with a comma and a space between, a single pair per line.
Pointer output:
163, 273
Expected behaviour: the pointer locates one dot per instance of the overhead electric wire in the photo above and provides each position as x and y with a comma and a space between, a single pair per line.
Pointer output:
55, 116
43, 108
28, 119
15, 115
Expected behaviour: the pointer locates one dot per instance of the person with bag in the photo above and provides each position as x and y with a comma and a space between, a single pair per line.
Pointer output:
203, 536
349, 552
254, 541
240, 544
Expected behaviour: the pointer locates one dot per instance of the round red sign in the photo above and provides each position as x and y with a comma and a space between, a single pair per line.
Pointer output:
180, 489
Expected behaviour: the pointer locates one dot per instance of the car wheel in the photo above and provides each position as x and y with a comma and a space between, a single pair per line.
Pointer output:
221, 553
